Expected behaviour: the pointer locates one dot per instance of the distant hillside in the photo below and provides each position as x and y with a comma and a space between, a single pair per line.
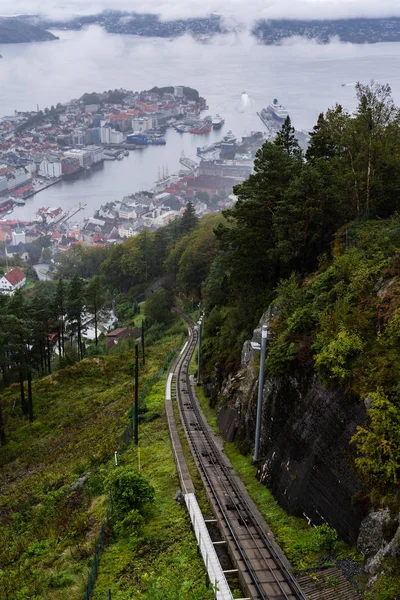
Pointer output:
29, 28
356, 31
17, 31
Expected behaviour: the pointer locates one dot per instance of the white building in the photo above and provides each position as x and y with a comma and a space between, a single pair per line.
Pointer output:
13, 280
18, 178
116, 137
111, 136
105, 135
129, 211
50, 168
178, 91
159, 216
126, 231
18, 236
140, 124
84, 156
96, 152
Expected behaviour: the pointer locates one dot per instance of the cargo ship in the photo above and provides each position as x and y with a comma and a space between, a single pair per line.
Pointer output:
201, 128
278, 112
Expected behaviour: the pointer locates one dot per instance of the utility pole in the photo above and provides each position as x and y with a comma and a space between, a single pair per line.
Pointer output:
200, 328
136, 432
264, 336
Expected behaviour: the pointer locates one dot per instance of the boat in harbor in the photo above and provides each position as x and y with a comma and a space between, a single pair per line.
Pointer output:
217, 122
201, 128
278, 112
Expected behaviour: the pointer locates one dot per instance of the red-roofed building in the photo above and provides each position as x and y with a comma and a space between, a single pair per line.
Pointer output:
13, 280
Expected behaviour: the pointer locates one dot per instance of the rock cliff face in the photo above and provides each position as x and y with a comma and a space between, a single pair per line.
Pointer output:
305, 451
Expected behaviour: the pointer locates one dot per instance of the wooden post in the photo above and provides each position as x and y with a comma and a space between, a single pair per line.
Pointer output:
136, 432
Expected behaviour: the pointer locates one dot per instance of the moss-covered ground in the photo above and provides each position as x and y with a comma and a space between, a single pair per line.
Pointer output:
53, 500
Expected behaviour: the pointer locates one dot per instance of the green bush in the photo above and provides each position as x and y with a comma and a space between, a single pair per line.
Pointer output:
378, 459
333, 361
130, 491
280, 354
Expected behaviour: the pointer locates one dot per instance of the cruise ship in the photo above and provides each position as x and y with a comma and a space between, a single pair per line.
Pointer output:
277, 111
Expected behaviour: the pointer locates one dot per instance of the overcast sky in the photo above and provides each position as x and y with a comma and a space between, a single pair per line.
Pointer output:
246, 10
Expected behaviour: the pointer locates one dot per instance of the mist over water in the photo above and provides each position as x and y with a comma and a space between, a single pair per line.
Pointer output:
245, 103
237, 76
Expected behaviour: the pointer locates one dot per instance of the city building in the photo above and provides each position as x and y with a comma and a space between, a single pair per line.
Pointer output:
50, 168
17, 250
178, 91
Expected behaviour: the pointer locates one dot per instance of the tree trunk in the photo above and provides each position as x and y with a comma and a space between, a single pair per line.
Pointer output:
41, 356
62, 337
22, 391
3, 439
367, 200
80, 341
59, 342
30, 400
95, 327
48, 354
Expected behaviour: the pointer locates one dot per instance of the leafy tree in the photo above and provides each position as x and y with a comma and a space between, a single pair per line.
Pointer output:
158, 306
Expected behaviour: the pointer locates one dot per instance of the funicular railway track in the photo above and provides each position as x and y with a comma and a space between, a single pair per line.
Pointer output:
261, 569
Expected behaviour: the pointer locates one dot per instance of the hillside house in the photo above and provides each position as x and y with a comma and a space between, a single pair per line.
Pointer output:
122, 333
11, 281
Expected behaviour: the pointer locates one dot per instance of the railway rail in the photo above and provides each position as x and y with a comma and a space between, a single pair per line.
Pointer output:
262, 570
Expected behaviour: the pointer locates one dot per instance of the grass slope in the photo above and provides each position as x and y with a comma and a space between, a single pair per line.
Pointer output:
49, 520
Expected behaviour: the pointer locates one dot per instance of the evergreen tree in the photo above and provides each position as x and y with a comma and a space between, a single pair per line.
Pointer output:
286, 138
75, 307
189, 219
248, 239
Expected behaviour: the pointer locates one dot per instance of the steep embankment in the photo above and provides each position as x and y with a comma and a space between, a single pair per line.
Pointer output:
331, 416
54, 497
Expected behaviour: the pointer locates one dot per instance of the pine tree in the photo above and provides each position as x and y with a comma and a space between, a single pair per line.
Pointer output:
75, 307
287, 139
189, 219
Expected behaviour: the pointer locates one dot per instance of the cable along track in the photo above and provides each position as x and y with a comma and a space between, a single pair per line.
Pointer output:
262, 571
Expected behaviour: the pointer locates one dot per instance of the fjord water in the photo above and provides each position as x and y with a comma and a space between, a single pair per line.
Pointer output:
306, 78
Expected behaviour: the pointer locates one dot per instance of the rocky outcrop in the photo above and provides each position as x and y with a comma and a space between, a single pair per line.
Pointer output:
305, 444
379, 538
